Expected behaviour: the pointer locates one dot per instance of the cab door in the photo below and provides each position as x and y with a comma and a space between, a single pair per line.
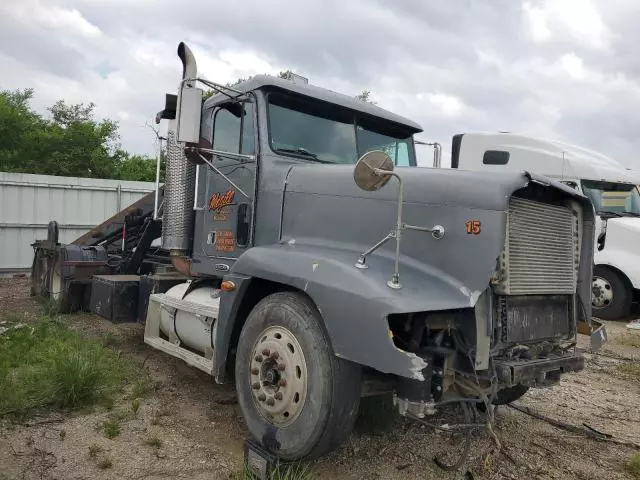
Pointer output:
227, 201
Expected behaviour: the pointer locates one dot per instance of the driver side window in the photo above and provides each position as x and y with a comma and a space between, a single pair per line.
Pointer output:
233, 129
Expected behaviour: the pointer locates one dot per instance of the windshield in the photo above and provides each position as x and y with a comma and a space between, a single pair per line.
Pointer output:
615, 198
330, 134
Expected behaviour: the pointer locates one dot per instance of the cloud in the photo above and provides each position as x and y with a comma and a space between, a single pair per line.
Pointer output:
568, 69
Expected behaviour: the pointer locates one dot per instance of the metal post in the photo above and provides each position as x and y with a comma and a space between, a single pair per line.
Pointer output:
195, 193
395, 280
119, 198
158, 159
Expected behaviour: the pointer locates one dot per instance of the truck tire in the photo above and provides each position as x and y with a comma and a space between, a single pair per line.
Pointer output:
298, 399
611, 296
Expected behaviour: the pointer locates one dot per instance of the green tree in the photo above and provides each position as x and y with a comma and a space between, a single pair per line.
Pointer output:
71, 143
139, 168
365, 96
17, 124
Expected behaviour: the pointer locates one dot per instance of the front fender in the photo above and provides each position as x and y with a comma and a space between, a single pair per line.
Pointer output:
354, 303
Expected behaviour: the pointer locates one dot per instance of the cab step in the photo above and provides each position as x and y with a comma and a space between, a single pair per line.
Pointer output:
205, 313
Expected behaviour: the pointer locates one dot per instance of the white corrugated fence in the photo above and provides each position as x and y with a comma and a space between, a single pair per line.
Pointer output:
28, 202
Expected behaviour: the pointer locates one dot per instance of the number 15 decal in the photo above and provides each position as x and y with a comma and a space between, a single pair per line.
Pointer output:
472, 227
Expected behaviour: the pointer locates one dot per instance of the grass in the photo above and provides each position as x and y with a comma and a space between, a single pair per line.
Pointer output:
630, 370
94, 450
141, 387
135, 405
629, 339
50, 307
112, 428
633, 467
293, 471
154, 442
377, 415
47, 366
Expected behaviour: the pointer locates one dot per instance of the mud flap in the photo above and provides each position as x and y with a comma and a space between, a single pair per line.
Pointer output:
596, 332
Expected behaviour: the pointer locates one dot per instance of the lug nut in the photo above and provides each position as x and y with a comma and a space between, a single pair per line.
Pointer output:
255, 371
282, 382
266, 352
278, 395
275, 355
271, 402
262, 397
281, 367
258, 358
255, 385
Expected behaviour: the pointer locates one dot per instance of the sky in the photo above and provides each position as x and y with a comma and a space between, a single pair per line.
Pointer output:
564, 69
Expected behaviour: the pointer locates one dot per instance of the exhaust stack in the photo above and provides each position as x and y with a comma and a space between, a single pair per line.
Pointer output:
178, 216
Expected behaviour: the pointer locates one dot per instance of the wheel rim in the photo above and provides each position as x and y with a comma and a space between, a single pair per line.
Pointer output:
602, 293
278, 376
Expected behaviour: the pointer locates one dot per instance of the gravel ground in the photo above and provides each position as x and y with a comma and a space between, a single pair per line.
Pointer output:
202, 431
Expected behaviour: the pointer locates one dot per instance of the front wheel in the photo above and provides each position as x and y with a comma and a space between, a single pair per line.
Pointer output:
298, 399
611, 297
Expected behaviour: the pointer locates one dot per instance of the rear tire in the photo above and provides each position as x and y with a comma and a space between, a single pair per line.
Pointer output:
611, 295
315, 409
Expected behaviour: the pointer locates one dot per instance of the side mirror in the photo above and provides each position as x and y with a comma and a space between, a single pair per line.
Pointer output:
372, 171
189, 109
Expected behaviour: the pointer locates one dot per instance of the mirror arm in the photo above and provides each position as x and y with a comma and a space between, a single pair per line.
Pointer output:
361, 263
437, 231
223, 175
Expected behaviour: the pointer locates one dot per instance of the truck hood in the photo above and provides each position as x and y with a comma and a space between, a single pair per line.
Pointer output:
629, 224
425, 186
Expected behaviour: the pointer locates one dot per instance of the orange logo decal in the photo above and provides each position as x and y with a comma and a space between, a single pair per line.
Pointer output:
221, 200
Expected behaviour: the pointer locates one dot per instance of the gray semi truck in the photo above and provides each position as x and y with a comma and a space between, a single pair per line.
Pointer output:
319, 264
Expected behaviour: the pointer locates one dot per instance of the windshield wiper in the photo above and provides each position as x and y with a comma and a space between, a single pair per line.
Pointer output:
299, 151
633, 214
303, 152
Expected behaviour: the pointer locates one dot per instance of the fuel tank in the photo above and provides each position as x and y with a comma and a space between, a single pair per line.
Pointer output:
192, 330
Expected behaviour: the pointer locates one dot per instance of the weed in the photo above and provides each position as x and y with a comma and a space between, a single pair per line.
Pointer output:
63, 435
50, 306
135, 405
293, 471
630, 370
105, 463
154, 442
629, 339
94, 450
633, 467
48, 366
110, 340
111, 428
141, 387
377, 415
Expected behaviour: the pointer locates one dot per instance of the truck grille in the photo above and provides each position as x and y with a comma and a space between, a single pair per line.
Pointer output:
541, 254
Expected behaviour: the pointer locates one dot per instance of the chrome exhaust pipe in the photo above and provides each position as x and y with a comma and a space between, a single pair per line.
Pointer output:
189, 66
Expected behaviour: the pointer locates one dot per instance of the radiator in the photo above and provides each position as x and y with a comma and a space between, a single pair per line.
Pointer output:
541, 254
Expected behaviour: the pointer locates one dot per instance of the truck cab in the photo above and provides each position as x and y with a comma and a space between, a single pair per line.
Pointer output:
323, 266
612, 189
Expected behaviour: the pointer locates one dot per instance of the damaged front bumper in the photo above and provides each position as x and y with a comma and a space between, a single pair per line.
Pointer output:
539, 372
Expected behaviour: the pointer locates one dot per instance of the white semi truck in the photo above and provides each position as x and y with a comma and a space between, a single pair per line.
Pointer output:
612, 188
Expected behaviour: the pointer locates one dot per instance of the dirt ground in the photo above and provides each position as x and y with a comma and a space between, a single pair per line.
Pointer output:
202, 431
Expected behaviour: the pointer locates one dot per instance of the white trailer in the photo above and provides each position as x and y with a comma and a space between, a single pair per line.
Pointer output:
612, 188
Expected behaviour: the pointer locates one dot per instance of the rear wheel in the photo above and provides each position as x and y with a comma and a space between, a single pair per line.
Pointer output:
297, 397
611, 296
